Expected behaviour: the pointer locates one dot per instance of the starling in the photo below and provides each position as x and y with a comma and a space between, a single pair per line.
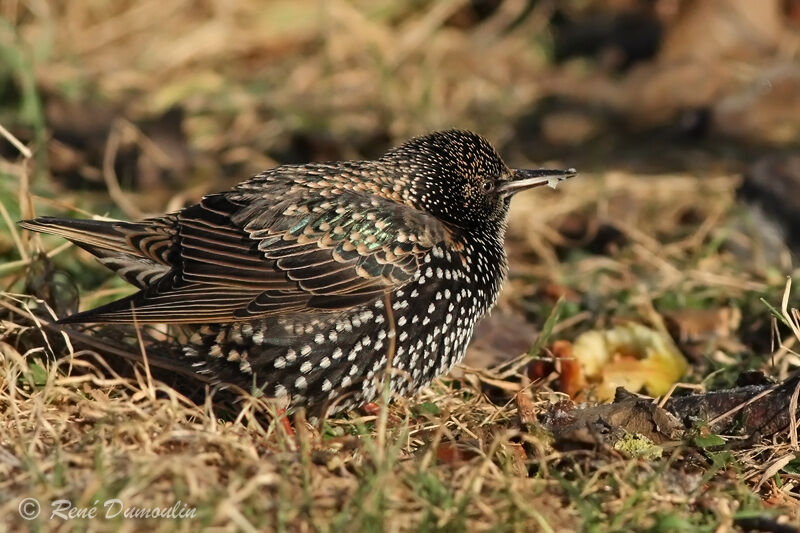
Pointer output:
310, 281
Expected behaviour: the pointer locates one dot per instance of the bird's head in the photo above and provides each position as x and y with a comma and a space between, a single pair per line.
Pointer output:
458, 177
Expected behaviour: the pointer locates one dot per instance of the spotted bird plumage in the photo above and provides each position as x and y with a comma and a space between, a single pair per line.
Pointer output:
286, 278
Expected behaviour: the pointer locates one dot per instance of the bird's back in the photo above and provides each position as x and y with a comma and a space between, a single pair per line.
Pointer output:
292, 240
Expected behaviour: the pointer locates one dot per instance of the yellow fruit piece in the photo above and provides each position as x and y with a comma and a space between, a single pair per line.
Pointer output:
632, 356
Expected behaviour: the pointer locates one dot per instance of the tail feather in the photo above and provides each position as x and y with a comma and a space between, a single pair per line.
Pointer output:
97, 315
136, 251
89, 234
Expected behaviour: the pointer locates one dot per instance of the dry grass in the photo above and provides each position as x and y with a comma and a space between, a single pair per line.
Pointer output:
152, 449
349, 78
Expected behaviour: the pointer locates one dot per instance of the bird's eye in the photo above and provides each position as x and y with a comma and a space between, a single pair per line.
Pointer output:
488, 186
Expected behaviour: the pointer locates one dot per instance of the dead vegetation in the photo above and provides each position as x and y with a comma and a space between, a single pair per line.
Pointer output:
129, 108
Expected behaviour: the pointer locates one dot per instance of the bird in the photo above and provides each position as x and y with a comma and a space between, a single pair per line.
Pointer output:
315, 282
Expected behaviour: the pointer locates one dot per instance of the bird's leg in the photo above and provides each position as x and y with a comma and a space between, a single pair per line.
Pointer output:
284, 421
371, 409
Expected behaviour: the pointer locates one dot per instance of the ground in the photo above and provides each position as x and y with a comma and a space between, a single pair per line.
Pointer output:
127, 109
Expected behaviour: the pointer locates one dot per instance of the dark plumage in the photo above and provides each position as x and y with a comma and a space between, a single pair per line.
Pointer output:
289, 274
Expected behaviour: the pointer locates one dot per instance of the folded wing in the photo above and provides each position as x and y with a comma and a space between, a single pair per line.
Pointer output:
238, 255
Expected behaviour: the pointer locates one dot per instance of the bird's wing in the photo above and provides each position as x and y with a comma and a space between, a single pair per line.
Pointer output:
237, 255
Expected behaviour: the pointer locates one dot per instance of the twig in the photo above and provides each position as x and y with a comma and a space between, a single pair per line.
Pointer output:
110, 175
734, 410
12, 228
691, 386
391, 335
24, 150
793, 416
150, 389
785, 308
23, 262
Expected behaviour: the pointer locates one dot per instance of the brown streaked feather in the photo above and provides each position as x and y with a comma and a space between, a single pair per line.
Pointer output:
135, 251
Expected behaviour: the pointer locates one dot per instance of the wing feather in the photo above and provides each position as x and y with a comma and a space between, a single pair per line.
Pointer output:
320, 254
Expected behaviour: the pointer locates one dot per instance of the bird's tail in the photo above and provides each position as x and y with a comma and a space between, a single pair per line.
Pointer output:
92, 235
136, 251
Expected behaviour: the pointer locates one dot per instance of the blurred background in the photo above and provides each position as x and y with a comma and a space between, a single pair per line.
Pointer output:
683, 117
666, 259
189, 96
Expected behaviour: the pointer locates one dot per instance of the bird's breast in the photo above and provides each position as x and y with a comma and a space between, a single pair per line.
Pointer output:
340, 359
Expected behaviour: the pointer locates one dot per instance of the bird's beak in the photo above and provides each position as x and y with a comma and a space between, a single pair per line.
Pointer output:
522, 179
